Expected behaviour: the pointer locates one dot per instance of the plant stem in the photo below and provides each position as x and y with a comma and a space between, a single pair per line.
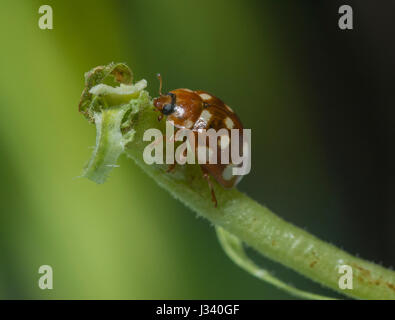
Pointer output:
233, 247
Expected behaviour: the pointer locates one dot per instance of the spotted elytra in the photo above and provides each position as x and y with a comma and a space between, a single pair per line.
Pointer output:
196, 110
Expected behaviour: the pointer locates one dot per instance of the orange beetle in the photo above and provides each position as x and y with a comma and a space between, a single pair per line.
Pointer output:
196, 110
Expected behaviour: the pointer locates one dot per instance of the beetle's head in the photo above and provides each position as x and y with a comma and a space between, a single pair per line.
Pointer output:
165, 103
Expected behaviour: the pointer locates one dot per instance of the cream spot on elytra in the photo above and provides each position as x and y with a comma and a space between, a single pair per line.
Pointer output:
229, 123
224, 142
205, 116
205, 96
178, 112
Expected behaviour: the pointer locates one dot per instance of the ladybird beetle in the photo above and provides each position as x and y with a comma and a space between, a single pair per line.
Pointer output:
196, 110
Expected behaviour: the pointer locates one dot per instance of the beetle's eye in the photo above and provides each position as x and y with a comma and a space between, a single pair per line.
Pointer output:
167, 109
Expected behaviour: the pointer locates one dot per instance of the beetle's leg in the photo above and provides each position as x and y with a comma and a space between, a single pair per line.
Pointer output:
171, 139
206, 176
171, 167
160, 117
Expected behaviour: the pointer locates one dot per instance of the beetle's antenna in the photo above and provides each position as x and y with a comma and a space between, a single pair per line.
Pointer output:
160, 83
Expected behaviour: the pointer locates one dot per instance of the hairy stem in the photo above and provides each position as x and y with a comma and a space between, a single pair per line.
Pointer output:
233, 247
238, 214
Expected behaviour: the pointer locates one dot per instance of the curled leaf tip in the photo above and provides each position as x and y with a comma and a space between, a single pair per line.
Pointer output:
110, 100
114, 74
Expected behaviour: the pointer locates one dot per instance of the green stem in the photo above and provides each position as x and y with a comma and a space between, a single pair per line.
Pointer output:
233, 247
247, 220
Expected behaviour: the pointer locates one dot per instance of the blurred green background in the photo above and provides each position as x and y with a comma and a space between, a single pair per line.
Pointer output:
315, 98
